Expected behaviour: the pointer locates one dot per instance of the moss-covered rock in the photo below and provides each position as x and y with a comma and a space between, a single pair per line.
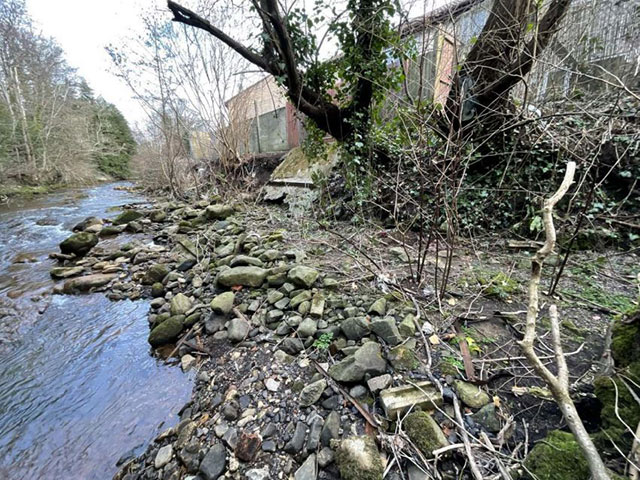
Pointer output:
223, 303
167, 331
246, 276
424, 432
358, 458
403, 358
156, 273
79, 243
557, 457
471, 395
126, 217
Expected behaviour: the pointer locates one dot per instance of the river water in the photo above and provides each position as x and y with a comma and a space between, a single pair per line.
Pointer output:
78, 386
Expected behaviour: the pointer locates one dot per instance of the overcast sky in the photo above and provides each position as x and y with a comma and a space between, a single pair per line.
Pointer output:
83, 28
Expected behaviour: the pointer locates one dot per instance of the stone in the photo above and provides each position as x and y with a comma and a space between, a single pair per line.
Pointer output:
271, 385
86, 223
403, 358
258, 473
487, 416
416, 473
214, 462
248, 447
163, 456
424, 432
387, 330
274, 296
331, 428
157, 290
244, 260
283, 357
87, 282
407, 327
397, 401
156, 273
399, 253
166, 332
245, 276
308, 470
297, 440
307, 328
112, 230
292, 346
366, 360
300, 298
471, 395
180, 304
303, 276
312, 393
557, 456
238, 329
381, 382
218, 212
325, 457
223, 303
78, 243
187, 362
126, 217
379, 307
358, 458
315, 430
158, 216
355, 328
65, 272
317, 306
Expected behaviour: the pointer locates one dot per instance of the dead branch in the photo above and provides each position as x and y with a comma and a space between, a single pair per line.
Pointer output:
558, 385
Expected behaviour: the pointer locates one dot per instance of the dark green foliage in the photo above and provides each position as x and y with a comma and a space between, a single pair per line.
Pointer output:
116, 146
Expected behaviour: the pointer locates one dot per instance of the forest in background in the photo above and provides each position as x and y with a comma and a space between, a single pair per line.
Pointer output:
53, 129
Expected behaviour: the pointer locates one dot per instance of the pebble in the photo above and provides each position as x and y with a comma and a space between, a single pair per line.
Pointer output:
163, 456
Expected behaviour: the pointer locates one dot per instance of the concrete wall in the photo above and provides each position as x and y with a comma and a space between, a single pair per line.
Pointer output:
269, 132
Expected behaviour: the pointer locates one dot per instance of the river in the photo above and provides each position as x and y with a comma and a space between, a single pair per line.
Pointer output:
78, 386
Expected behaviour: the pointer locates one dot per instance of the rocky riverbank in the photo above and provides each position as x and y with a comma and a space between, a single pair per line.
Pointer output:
308, 366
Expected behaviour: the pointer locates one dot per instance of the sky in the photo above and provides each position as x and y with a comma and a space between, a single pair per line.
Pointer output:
83, 28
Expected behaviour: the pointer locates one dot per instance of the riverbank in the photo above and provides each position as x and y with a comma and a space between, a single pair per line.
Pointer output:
308, 343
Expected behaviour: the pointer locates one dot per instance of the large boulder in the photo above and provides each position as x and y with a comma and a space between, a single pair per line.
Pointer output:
126, 217
367, 359
79, 243
87, 282
358, 458
167, 331
245, 276
303, 276
218, 212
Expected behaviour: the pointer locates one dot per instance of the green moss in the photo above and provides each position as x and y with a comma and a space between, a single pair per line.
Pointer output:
625, 339
494, 284
424, 432
628, 410
557, 457
126, 217
403, 358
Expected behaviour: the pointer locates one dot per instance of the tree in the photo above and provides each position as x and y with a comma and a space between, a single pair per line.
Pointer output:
114, 141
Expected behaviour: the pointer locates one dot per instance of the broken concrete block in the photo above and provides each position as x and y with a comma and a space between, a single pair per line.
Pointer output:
397, 401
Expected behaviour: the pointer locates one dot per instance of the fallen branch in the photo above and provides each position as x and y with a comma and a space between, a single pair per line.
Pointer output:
558, 385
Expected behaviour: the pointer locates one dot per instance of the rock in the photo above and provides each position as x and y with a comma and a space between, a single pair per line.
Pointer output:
112, 230
187, 362
403, 358
157, 290
214, 462
358, 458
223, 303
133, 227
317, 305
248, 447
238, 329
416, 473
166, 332
297, 440
358, 392
488, 418
156, 273
245, 276
86, 223
300, 298
163, 456
355, 328
312, 393
379, 307
397, 401
558, 456
424, 432
218, 212
258, 474
387, 330
180, 304
274, 296
282, 357
313, 439
303, 276
381, 382
65, 272
331, 428
399, 253
471, 395
25, 257
271, 384
244, 260
367, 359
158, 216
292, 346
78, 243
325, 457
307, 328
407, 327
126, 217
87, 282
308, 470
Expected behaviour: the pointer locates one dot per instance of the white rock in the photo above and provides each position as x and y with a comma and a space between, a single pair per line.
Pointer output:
163, 456
272, 385
187, 362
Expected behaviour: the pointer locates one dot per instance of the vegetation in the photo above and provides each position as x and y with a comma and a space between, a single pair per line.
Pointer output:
53, 130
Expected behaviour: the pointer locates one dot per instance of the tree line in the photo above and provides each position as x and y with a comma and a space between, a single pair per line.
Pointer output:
53, 128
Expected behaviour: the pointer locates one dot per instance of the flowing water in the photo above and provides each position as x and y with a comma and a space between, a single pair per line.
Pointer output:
78, 386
